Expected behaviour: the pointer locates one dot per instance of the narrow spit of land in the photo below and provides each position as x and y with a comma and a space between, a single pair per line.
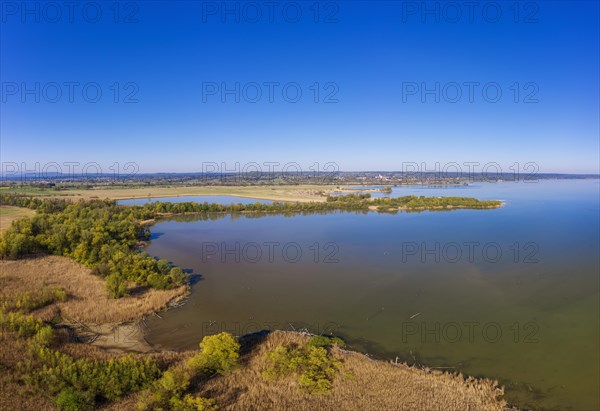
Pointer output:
302, 193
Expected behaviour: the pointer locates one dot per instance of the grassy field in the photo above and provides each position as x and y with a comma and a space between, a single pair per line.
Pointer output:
275, 193
9, 214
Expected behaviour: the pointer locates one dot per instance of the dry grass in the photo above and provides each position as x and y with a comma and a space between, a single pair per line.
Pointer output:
8, 214
88, 301
363, 384
300, 193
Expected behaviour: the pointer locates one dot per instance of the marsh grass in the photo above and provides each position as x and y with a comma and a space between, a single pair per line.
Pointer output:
362, 384
87, 301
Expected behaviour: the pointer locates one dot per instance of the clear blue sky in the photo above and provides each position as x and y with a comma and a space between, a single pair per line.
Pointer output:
371, 54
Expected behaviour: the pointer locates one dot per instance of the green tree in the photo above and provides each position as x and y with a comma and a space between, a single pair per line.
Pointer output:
218, 353
116, 285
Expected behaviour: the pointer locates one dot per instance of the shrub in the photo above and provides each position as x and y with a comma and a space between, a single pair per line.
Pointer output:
312, 363
30, 301
177, 276
70, 400
168, 393
219, 353
158, 281
92, 380
189, 403
172, 384
116, 285
24, 325
101, 270
324, 341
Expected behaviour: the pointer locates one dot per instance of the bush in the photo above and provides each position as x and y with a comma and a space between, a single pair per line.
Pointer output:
312, 363
177, 276
24, 325
30, 301
70, 400
101, 270
90, 379
116, 285
168, 393
219, 353
189, 403
323, 341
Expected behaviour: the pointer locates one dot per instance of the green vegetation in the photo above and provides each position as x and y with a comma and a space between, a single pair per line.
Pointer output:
357, 201
218, 354
75, 384
169, 393
25, 326
33, 300
421, 202
98, 234
312, 363
78, 384
92, 381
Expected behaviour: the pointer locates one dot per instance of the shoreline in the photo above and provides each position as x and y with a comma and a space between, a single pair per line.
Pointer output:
89, 333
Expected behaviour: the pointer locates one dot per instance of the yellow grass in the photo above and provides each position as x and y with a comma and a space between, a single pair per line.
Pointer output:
88, 301
362, 384
300, 193
8, 214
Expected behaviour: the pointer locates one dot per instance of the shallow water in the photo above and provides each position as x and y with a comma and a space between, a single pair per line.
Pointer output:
510, 293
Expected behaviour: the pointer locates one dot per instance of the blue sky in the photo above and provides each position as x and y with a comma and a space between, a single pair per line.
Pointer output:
370, 61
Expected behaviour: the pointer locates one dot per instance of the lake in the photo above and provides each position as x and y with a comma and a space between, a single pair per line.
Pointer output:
511, 293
